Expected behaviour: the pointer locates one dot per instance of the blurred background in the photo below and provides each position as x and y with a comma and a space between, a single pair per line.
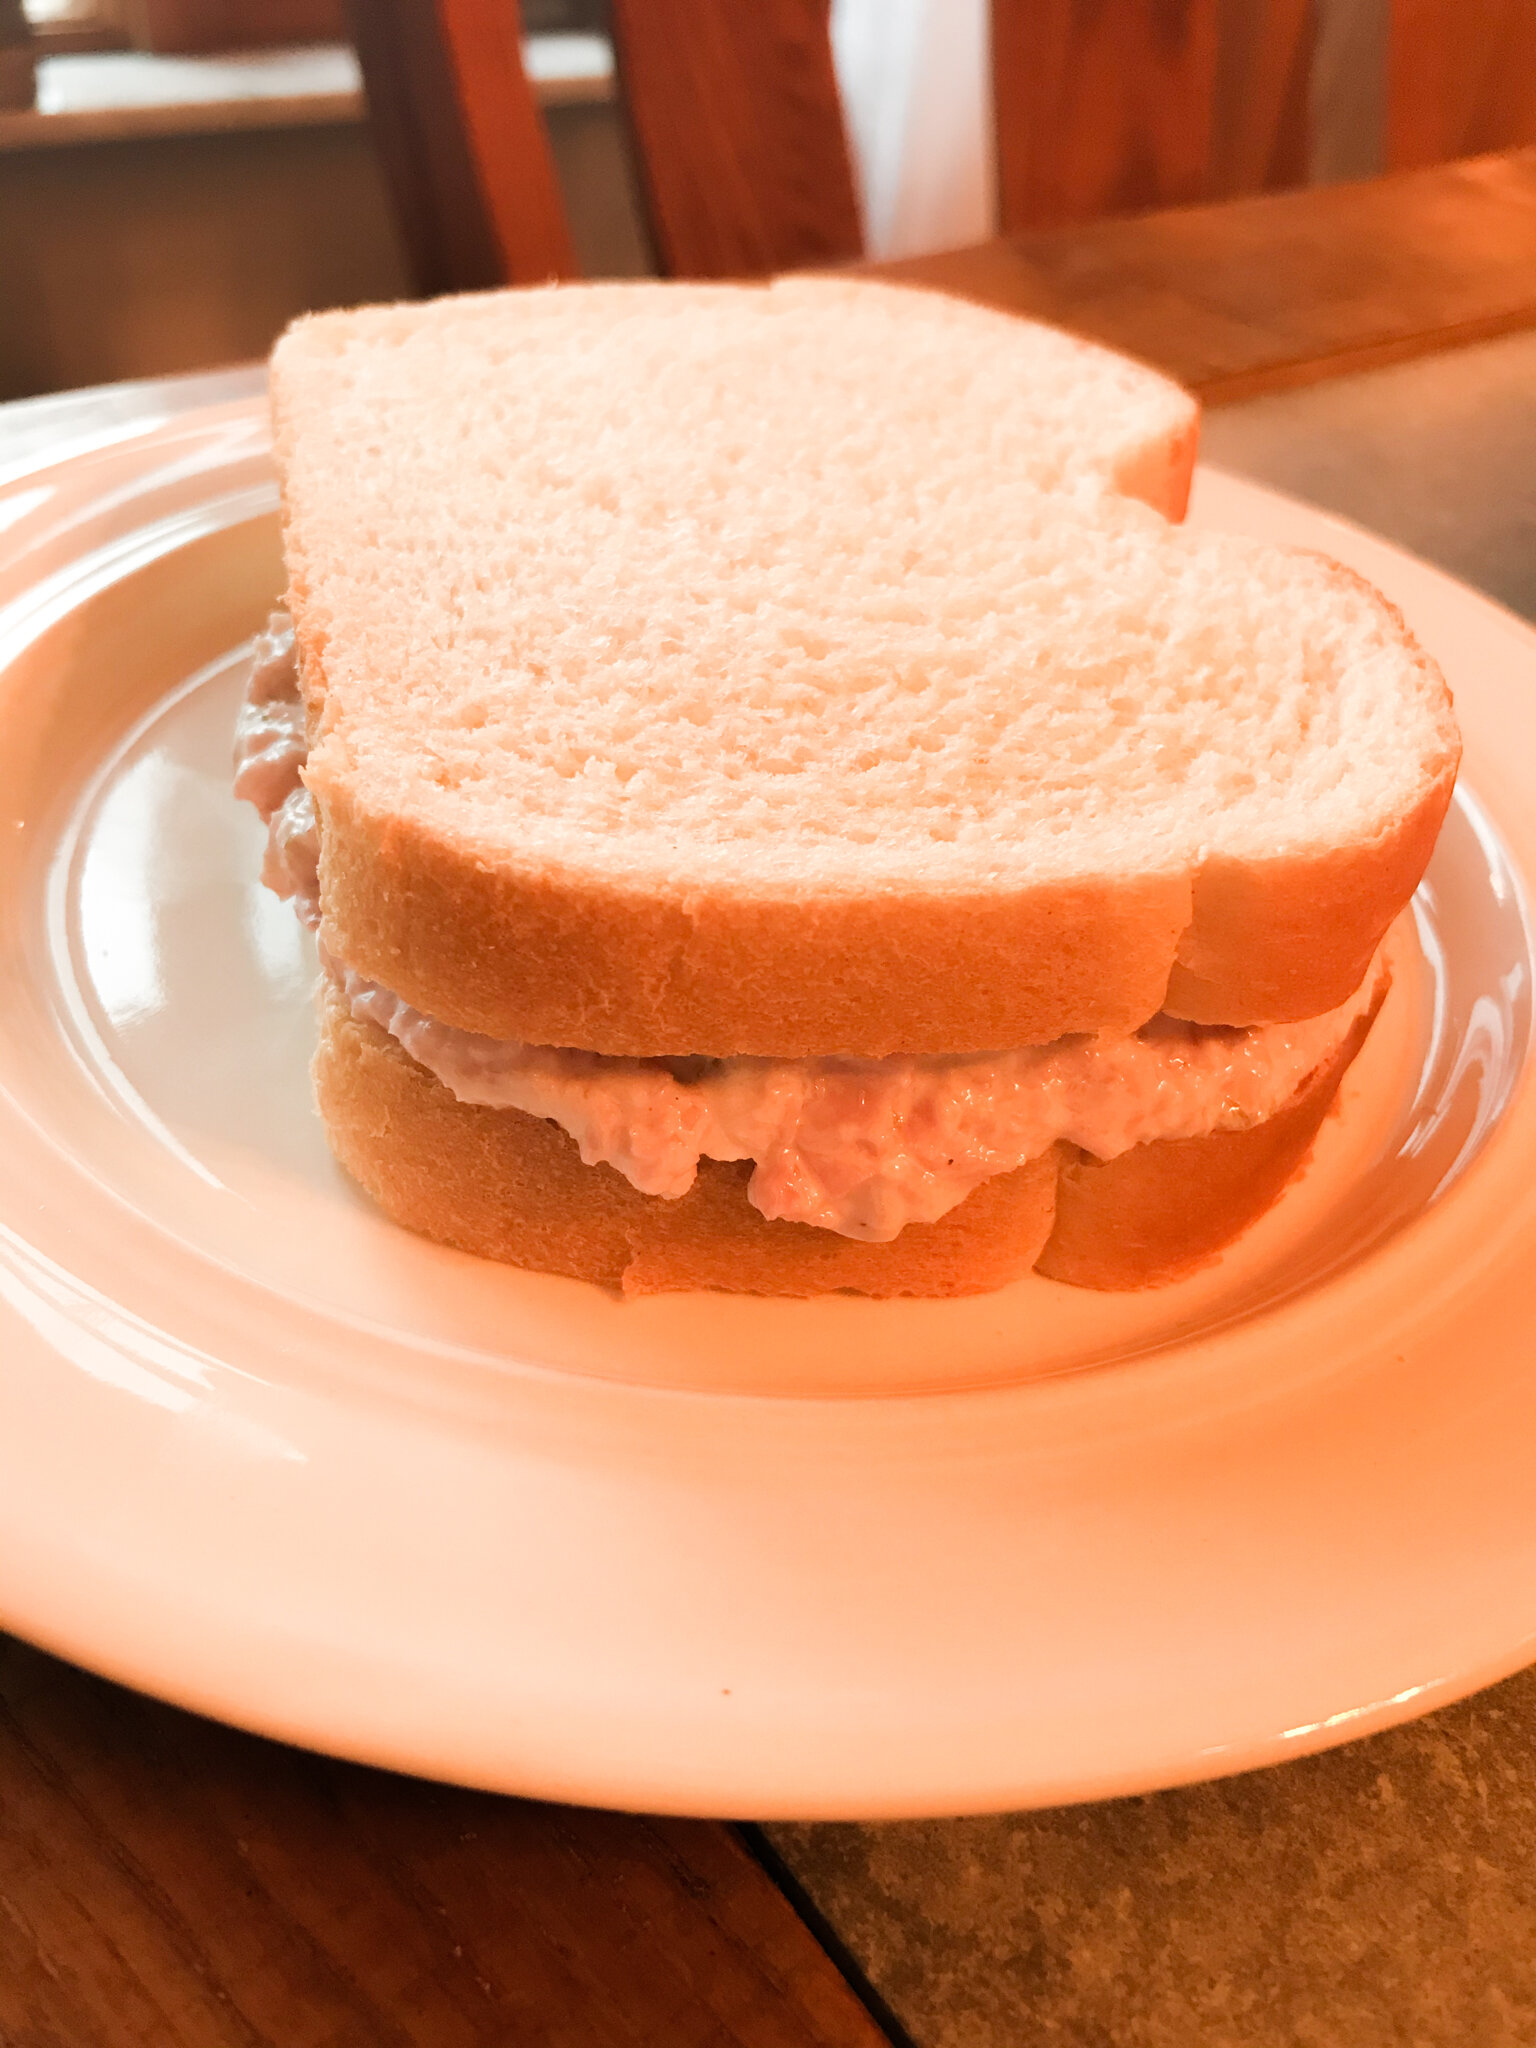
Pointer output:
179, 178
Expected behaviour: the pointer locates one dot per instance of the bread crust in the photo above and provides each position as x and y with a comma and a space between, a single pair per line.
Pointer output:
1161, 471
1160, 1211
508, 1186
1290, 937
562, 959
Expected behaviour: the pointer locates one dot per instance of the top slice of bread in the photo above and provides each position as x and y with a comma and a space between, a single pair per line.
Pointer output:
798, 670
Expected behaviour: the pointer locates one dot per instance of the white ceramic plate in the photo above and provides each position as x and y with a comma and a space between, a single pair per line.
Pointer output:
268, 1456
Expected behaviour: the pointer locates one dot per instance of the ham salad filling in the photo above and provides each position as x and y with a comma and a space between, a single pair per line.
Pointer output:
857, 1146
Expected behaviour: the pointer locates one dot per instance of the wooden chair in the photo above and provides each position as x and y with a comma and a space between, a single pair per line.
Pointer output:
462, 143
1103, 107
1461, 79
1120, 106
738, 131
733, 108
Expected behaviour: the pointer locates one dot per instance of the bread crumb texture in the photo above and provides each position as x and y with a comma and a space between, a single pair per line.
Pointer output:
792, 593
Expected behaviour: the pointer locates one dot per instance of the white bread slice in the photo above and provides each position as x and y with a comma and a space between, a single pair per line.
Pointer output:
738, 670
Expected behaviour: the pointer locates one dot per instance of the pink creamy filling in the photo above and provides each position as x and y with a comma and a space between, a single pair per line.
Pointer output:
271, 747
861, 1147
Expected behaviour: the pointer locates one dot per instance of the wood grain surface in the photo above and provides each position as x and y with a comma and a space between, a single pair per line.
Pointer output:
508, 144
1461, 78
740, 146
1260, 294
1262, 116
1117, 106
167, 1883
417, 124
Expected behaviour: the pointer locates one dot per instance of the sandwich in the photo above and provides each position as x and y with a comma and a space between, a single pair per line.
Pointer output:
786, 807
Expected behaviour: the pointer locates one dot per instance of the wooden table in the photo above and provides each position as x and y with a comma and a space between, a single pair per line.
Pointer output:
1260, 295
169, 1883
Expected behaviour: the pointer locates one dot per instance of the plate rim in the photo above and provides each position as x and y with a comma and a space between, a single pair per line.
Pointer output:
52, 1602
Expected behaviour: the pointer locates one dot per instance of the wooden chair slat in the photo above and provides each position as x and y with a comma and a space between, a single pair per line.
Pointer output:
1261, 122
418, 131
1120, 106
1461, 79
1102, 106
515, 169
741, 151
461, 143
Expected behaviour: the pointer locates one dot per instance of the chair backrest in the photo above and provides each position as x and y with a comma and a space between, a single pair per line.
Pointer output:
1103, 106
1117, 106
732, 104
1461, 79
739, 140
462, 143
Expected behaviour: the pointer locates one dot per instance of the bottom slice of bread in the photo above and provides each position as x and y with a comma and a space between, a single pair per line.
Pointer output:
511, 1187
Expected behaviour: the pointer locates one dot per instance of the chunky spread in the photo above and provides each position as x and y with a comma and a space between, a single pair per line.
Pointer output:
857, 1146
864, 1146
270, 751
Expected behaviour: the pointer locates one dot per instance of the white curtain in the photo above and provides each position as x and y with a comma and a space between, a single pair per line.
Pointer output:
915, 78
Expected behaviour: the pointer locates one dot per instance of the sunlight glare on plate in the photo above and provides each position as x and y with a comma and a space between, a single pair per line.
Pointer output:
278, 940
16, 507
118, 926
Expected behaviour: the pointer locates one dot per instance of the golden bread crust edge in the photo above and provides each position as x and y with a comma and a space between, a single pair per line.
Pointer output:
559, 959
556, 959
511, 1187
1269, 938
1162, 469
